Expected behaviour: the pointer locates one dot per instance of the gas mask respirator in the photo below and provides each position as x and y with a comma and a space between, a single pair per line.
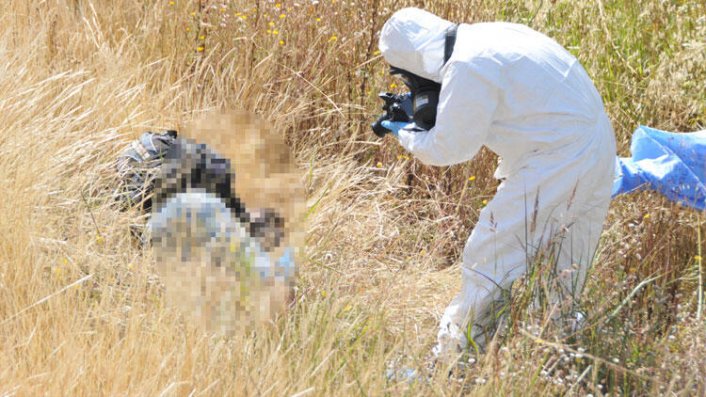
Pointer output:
420, 103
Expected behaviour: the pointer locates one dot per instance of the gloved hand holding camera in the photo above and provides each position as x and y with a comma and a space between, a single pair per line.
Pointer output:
417, 106
397, 112
394, 127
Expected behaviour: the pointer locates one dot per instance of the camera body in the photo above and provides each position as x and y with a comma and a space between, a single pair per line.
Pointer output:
397, 107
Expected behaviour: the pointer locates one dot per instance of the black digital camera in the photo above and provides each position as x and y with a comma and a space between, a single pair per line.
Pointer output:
397, 107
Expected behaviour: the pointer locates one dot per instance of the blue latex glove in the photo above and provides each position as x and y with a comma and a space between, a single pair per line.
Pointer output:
670, 163
394, 126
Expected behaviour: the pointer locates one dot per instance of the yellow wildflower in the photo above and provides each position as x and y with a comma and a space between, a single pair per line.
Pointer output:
282, 16
281, 42
171, 3
199, 48
275, 32
393, 86
100, 240
318, 19
376, 52
270, 24
333, 38
323, 293
202, 37
485, 202
472, 178
697, 257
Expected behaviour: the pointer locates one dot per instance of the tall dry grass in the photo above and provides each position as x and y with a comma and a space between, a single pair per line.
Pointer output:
82, 311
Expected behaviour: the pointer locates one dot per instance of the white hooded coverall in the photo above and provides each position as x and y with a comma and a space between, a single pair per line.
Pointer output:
527, 99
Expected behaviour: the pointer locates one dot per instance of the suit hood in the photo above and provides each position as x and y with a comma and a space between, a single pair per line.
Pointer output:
413, 40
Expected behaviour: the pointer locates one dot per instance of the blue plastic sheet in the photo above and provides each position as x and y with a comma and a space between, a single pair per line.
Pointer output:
673, 164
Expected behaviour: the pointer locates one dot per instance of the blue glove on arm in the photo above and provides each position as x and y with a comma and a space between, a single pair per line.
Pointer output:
394, 126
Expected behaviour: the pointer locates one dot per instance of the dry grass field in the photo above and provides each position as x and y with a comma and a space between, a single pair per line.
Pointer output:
82, 310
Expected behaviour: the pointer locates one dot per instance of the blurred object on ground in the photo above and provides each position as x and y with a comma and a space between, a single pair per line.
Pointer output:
225, 260
138, 165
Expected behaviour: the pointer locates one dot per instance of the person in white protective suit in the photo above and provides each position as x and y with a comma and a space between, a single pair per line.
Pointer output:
527, 99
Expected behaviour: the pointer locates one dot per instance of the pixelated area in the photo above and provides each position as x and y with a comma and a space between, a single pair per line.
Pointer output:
224, 248
138, 167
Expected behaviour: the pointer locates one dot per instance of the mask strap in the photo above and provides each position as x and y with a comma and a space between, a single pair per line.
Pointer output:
449, 42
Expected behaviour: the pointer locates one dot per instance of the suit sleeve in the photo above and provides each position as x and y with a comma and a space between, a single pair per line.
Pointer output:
467, 103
